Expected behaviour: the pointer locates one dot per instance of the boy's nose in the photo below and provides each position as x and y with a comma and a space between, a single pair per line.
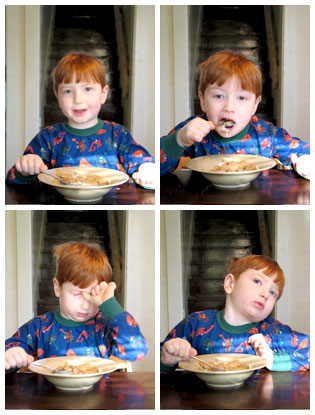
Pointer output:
78, 97
84, 303
229, 104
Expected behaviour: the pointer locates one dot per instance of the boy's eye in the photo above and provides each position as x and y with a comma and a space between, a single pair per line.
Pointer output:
88, 88
66, 91
217, 96
257, 281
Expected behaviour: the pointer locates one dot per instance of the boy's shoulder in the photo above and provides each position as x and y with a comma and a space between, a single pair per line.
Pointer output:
42, 319
203, 316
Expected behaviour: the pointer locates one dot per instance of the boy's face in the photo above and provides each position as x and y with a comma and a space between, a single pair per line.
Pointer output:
81, 102
229, 101
251, 296
73, 306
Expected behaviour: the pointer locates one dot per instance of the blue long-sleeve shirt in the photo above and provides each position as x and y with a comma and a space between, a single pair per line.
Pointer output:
111, 332
107, 144
259, 137
208, 332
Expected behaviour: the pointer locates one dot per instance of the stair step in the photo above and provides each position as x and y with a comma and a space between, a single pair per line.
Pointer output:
202, 241
218, 255
215, 271
213, 303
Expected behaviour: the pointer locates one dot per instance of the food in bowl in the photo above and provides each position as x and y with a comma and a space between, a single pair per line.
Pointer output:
89, 180
226, 366
232, 166
82, 369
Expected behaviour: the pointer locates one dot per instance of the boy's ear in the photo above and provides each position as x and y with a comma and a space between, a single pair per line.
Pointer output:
202, 101
258, 99
105, 93
229, 282
57, 287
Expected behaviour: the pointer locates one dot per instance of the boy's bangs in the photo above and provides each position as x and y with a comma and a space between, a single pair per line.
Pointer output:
225, 65
79, 67
81, 264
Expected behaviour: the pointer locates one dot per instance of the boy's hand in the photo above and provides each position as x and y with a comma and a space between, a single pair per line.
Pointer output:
30, 164
261, 348
100, 293
302, 165
16, 357
175, 350
194, 131
145, 175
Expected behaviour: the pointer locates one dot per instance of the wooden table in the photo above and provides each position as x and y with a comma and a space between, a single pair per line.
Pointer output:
272, 187
39, 193
117, 390
263, 390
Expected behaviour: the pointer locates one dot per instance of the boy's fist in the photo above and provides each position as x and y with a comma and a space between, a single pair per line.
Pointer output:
302, 165
175, 350
30, 164
145, 175
194, 131
16, 357
261, 348
100, 293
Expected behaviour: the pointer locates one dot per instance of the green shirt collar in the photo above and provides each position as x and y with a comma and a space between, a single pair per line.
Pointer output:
233, 329
68, 323
84, 132
233, 139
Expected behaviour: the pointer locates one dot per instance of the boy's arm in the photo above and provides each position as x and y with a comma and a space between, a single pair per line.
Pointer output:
171, 150
130, 154
285, 145
123, 337
182, 330
41, 146
291, 349
25, 337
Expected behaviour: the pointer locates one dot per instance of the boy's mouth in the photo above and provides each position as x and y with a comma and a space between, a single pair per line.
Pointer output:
226, 125
259, 305
79, 112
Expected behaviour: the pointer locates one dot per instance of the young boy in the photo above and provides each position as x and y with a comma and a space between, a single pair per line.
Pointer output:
84, 140
230, 91
252, 286
90, 321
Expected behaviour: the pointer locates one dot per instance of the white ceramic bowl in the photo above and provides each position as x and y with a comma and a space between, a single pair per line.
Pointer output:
221, 380
84, 194
73, 383
234, 180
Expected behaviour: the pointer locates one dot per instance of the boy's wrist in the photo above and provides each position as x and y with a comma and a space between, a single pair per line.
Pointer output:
171, 147
111, 308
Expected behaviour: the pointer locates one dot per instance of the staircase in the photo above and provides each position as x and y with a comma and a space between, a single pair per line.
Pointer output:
62, 227
90, 29
240, 28
218, 235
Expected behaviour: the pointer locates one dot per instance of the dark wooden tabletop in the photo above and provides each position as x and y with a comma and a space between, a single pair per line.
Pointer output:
39, 193
117, 390
272, 187
263, 390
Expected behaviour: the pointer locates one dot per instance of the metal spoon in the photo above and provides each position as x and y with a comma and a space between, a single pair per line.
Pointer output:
214, 369
58, 371
60, 180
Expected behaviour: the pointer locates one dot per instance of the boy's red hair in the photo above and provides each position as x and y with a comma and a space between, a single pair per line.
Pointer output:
78, 66
224, 65
81, 264
259, 262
